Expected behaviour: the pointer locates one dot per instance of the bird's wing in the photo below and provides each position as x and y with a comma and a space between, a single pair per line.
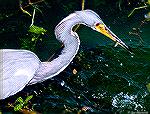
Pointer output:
17, 68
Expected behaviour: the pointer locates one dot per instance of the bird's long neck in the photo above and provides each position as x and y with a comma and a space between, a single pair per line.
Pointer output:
71, 42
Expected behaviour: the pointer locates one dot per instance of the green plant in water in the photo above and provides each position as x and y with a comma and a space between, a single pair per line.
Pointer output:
148, 87
36, 32
29, 42
34, 36
21, 104
136, 31
146, 5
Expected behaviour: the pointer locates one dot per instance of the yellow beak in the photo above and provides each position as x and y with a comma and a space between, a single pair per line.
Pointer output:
105, 30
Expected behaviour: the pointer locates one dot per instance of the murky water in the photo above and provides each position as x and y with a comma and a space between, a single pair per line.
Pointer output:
102, 78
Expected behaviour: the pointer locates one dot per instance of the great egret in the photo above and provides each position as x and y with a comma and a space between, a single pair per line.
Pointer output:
19, 68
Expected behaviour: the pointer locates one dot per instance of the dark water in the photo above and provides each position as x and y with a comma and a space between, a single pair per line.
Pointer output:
108, 79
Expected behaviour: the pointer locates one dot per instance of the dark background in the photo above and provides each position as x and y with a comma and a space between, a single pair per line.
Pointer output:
108, 78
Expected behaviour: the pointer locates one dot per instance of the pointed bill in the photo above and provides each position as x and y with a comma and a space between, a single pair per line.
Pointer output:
107, 32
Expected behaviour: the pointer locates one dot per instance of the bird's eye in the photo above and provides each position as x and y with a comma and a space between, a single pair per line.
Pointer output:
97, 24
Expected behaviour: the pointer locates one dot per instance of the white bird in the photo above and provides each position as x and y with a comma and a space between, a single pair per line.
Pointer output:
19, 68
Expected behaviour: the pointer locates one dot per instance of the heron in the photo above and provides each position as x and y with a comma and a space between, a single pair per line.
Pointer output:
20, 68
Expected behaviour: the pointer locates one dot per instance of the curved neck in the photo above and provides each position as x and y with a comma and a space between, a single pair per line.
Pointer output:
70, 39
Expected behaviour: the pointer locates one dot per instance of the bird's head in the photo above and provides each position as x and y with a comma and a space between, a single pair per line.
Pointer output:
92, 19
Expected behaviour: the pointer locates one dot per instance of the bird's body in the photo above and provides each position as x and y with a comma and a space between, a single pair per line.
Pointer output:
22, 67
17, 69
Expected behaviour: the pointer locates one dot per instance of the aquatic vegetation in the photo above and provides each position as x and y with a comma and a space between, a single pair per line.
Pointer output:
102, 79
21, 104
35, 34
146, 5
37, 30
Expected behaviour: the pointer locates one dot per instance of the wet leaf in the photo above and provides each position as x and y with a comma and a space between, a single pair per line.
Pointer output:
28, 98
148, 87
37, 30
18, 107
148, 2
20, 100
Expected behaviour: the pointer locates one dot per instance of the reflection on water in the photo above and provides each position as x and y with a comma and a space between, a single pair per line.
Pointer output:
130, 102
